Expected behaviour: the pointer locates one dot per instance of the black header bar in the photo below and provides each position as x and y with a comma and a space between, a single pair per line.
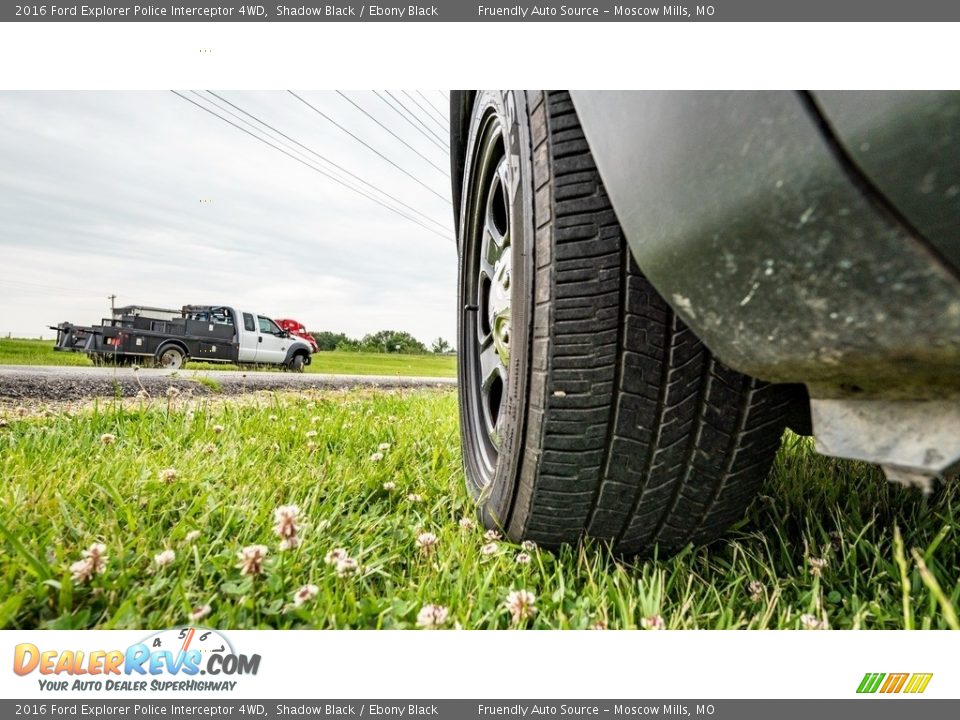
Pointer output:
484, 11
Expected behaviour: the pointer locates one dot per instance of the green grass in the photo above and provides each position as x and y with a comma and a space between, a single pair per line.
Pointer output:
888, 556
40, 352
20, 351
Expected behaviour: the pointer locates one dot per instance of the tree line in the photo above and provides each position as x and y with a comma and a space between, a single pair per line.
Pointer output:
385, 341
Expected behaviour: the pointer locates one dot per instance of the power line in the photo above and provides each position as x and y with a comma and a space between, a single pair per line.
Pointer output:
426, 112
414, 115
443, 118
393, 133
312, 167
428, 136
369, 147
327, 160
224, 101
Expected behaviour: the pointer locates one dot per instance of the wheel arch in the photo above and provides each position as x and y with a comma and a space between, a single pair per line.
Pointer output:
179, 344
461, 106
298, 349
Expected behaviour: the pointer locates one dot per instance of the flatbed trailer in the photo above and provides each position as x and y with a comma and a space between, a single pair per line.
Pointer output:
205, 333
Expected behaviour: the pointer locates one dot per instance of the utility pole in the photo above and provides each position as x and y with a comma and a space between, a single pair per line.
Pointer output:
112, 299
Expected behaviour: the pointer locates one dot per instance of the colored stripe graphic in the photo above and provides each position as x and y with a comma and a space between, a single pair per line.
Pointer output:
918, 682
893, 683
870, 682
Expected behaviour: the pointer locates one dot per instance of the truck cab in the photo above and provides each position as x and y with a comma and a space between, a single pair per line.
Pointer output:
263, 341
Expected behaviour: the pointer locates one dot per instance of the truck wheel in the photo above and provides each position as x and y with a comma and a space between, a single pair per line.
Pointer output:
297, 362
171, 358
587, 407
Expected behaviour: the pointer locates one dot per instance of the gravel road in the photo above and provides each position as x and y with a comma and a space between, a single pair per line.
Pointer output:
36, 382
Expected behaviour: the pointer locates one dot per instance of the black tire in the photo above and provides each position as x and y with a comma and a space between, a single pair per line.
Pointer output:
171, 357
298, 362
614, 420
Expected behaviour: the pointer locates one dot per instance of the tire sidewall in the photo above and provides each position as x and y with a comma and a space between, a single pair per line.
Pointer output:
162, 351
496, 497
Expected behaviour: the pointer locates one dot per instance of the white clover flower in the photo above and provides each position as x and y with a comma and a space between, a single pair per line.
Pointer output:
414, 498
209, 449
812, 622
383, 447
432, 617
286, 526
528, 545
389, 486
376, 457
168, 475
335, 556
427, 542
305, 594
522, 559
164, 558
93, 562
489, 549
491, 536
108, 439
521, 604
347, 567
756, 590
311, 433
817, 565
199, 613
251, 559
192, 536
599, 625
467, 523
218, 429
653, 622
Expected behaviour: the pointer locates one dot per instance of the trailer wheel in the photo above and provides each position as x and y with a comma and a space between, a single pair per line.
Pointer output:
171, 357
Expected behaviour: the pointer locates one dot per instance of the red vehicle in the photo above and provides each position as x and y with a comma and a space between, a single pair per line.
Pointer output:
298, 329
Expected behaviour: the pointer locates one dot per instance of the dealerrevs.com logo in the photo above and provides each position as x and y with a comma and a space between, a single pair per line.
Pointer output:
169, 660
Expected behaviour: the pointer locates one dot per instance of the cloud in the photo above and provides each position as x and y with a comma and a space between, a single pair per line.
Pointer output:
145, 195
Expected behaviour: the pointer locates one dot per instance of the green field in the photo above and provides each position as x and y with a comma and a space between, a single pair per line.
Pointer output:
40, 352
19, 351
826, 544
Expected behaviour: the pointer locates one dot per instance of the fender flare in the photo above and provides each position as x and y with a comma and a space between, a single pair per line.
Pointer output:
175, 343
298, 347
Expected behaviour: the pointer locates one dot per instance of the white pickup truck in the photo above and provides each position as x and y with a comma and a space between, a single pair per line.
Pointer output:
169, 338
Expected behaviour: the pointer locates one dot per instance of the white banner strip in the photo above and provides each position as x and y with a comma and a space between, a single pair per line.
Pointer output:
451, 664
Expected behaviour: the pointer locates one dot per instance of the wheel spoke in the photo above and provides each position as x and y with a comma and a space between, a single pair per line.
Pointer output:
490, 365
489, 222
488, 255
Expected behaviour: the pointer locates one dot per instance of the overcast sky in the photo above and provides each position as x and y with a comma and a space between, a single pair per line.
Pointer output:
147, 196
